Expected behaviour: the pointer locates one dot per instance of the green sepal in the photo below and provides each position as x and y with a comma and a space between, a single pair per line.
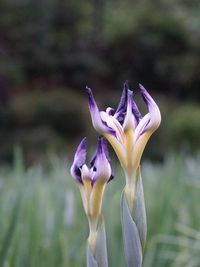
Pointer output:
131, 239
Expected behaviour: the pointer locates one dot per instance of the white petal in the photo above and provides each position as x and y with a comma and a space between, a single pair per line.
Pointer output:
141, 127
129, 121
85, 173
113, 123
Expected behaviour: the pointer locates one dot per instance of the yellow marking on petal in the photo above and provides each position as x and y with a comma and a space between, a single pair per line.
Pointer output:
96, 198
85, 199
139, 148
87, 184
131, 187
118, 148
129, 147
85, 191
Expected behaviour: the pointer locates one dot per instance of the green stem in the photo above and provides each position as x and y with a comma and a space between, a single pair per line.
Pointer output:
131, 189
97, 248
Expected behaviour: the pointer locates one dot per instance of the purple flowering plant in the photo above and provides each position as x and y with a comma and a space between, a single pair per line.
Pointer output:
128, 133
92, 181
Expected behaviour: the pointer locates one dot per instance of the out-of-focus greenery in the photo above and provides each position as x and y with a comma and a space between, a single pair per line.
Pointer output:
40, 121
183, 128
102, 42
43, 223
43, 121
50, 49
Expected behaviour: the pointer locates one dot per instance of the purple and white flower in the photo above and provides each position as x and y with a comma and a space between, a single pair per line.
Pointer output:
93, 179
125, 128
128, 133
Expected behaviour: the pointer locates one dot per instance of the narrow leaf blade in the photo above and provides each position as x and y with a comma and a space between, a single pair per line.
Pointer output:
91, 261
132, 244
139, 212
101, 252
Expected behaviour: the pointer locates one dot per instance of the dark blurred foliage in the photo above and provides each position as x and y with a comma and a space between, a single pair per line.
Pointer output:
48, 47
79, 42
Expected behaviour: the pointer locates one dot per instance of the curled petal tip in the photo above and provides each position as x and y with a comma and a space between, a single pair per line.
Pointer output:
79, 160
101, 151
97, 122
122, 107
127, 89
144, 93
101, 162
126, 85
91, 101
155, 116
81, 150
102, 146
146, 96
141, 86
128, 94
83, 142
142, 89
90, 97
76, 173
88, 89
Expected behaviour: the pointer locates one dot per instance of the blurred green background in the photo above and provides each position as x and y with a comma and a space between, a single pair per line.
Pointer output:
49, 51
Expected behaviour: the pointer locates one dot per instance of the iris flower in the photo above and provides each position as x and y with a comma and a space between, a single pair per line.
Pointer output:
92, 181
127, 131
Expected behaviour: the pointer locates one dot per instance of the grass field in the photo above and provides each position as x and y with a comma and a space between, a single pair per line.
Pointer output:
42, 223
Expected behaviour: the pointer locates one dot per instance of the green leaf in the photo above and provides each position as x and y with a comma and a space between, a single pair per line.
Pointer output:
91, 261
99, 258
101, 247
132, 244
5, 246
139, 212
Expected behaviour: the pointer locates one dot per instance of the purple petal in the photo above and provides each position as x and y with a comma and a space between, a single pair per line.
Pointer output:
97, 122
110, 111
79, 160
104, 145
123, 98
136, 112
146, 96
99, 151
105, 149
129, 118
154, 112
121, 110
100, 162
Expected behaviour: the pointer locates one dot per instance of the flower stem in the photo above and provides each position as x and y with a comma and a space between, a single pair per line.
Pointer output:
131, 189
